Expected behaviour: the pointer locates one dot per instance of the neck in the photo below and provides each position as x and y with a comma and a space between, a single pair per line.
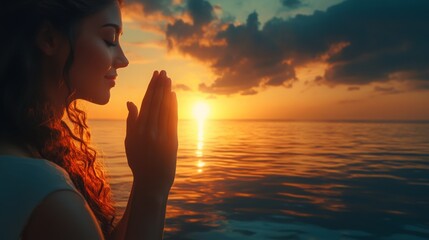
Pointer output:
57, 98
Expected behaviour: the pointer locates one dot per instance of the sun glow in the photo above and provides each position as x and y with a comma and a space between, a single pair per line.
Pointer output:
201, 111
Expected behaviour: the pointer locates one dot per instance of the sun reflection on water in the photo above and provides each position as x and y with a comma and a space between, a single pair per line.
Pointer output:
200, 111
200, 145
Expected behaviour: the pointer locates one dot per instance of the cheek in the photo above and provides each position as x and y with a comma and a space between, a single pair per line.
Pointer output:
91, 63
93, 58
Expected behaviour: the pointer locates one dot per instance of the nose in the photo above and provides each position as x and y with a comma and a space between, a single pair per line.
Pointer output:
120, 60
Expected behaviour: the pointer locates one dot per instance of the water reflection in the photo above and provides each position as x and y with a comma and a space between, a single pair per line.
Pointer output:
292, 180
200, 144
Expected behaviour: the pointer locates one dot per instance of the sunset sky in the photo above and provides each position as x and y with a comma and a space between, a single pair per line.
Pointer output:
279, 59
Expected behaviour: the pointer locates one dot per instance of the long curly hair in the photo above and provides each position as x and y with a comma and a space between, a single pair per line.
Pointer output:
28, 117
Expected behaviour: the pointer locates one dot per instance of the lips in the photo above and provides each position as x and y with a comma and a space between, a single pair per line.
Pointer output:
111, 77
111, 80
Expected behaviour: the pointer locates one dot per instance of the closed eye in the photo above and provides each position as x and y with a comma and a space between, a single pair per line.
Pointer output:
110, 44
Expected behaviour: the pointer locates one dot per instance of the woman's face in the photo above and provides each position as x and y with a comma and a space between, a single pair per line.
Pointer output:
98, 55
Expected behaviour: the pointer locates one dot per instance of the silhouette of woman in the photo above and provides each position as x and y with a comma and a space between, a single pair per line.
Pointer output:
52, 186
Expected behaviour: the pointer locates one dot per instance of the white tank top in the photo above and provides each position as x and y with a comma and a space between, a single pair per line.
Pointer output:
24, 184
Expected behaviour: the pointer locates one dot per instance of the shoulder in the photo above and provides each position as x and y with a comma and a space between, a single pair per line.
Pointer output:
62, 215
34, 172
26, 184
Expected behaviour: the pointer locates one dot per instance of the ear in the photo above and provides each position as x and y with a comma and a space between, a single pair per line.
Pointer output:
49, 40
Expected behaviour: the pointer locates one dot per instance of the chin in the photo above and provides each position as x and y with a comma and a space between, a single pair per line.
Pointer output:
102, 102
99, 100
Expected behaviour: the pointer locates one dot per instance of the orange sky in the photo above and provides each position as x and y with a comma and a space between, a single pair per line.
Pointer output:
146, 49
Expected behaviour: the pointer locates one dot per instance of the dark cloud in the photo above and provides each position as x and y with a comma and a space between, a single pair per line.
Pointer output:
291, 3
243, 59
180, 31
361, 41
200, 11
375, 39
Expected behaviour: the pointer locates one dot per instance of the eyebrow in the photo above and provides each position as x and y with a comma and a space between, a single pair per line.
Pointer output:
115, 26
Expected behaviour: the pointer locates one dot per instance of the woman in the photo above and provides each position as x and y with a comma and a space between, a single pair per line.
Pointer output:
51, 184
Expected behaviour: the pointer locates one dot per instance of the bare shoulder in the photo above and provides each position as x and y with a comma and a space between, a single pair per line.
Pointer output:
62, 215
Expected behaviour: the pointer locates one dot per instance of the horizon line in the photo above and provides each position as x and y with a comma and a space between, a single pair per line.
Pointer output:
286, 120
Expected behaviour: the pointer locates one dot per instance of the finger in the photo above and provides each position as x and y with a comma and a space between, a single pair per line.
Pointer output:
144, 109
165, 109
173, 118
132, 118
155, 104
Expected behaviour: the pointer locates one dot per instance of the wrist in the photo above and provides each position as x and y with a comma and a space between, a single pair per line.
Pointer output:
149, 191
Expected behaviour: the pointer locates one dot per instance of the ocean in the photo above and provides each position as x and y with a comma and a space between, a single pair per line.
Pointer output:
244, 179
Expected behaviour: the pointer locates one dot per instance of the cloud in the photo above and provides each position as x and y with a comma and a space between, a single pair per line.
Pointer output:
239, 55
386, 90
375, 39
155, 6
361, 42
201, 12
181, 87
249, 92
291, 3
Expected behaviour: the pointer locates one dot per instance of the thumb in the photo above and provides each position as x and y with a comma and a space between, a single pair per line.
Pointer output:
132, 117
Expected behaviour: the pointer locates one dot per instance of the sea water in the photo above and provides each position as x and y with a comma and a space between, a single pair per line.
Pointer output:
287, 179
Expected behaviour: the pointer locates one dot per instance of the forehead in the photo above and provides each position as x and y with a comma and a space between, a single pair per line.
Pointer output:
110, 14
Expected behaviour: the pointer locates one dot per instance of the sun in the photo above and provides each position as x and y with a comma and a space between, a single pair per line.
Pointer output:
201, 110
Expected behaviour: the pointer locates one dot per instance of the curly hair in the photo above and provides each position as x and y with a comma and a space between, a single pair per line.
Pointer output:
28, 117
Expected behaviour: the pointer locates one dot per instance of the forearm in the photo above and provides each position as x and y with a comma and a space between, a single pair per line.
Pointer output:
120, 229
146, 214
